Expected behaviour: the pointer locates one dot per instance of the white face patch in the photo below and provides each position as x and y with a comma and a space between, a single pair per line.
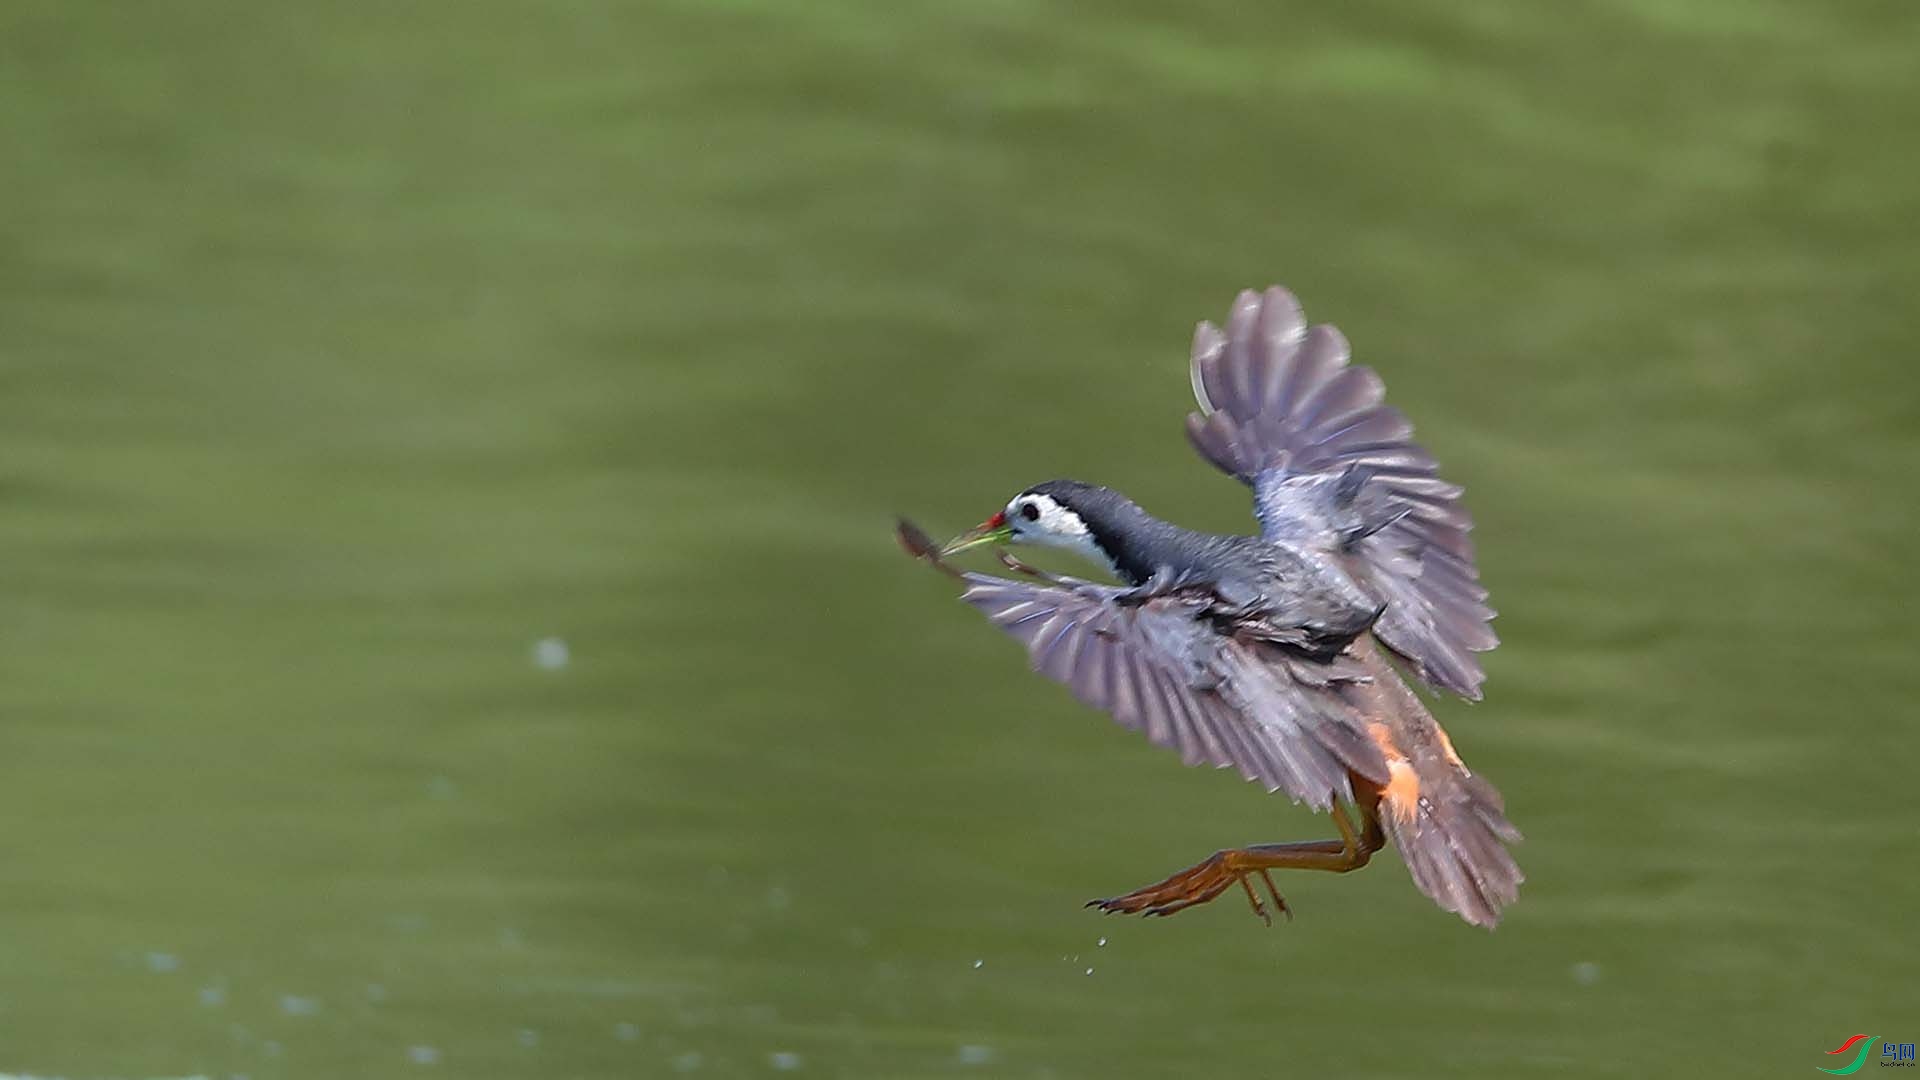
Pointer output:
1040, 519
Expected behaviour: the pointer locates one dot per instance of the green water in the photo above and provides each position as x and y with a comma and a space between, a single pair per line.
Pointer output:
348, 351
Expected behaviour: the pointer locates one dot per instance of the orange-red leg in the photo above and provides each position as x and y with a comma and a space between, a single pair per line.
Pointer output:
1218, 872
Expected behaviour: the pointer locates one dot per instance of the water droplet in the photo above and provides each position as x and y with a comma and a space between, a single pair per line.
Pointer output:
527, 1037
688, 1061
162, 962
295, 1005
442, 787
213, 996
1089, 971
1101, 944
423, 1055
626, 1032
777, 898
784, 1060
271, 1048
376, 993
1586, 973
511, 939
978, 964
551, 654
976, 1055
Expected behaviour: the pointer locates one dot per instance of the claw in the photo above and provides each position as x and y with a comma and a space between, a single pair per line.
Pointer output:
1278, 900
1258, 908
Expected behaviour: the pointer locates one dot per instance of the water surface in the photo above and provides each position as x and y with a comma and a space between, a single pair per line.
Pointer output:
450, 623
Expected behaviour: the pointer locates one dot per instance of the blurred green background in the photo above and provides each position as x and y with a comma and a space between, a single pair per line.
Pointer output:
349, 351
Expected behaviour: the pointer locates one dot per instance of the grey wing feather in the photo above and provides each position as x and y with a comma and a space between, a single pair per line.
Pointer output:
1283, 411
1159, 669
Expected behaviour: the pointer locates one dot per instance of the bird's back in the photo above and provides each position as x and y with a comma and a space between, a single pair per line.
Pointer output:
1296, 580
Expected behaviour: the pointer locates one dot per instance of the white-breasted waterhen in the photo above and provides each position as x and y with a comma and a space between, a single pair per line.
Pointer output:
1276, 654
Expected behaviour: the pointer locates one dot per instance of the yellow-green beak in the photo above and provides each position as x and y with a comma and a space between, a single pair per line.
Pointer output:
994, 530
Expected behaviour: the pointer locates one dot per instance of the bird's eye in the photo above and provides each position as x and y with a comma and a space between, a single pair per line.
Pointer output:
1030, 511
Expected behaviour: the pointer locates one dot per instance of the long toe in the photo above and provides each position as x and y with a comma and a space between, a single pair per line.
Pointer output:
1278, 900
1182, 903
1195, 885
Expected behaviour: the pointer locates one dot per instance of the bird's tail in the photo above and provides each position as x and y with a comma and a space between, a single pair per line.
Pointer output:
1448, 823
1453, 835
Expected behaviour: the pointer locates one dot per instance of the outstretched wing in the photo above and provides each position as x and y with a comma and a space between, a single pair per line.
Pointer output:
1283, 411
1158, 667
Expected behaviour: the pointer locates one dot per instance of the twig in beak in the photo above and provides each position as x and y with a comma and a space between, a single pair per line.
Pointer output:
915, 542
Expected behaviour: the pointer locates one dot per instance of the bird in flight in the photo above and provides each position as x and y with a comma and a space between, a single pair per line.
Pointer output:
1279, 655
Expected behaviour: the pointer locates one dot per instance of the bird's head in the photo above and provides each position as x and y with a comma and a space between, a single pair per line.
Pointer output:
1053, 514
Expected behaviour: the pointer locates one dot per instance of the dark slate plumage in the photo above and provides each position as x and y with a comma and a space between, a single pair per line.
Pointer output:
1285, 584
